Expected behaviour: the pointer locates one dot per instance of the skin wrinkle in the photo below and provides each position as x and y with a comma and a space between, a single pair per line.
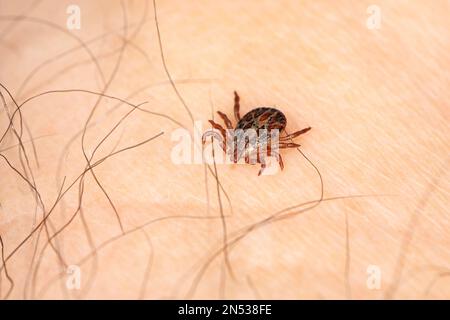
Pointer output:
377, 102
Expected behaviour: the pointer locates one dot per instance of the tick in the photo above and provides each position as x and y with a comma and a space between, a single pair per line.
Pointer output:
262, 119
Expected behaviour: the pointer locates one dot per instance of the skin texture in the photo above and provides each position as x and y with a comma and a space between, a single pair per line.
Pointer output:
377, 102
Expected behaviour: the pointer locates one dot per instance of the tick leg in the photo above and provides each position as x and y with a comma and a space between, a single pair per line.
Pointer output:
279, 159
280, 162
278, 156
236, 107
225, 119
263, 166
295, 134
262, 159
218, 127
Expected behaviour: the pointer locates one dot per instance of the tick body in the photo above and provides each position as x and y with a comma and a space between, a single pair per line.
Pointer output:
262, 119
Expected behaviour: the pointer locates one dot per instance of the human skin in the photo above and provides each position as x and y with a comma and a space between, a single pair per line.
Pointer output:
377, 102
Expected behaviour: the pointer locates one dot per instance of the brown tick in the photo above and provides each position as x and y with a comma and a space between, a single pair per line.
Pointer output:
262, 118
